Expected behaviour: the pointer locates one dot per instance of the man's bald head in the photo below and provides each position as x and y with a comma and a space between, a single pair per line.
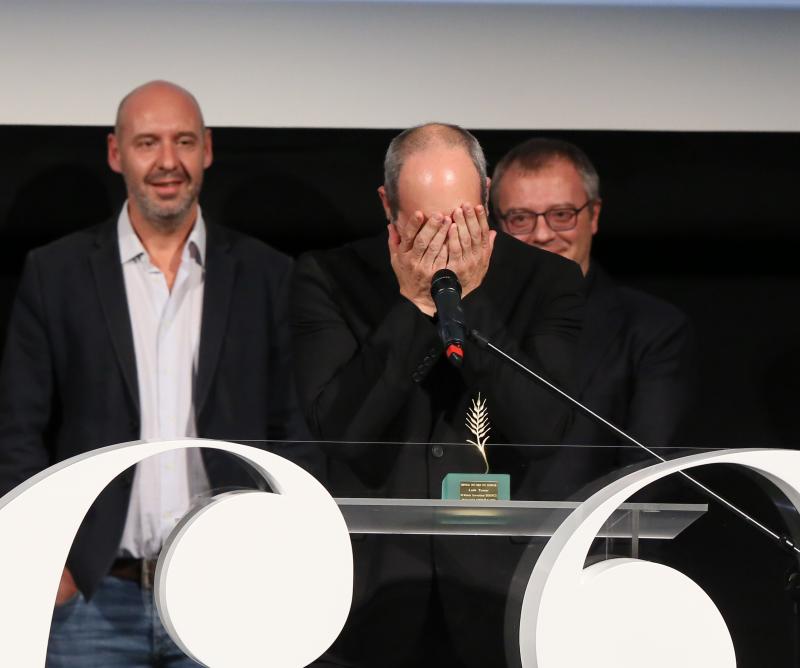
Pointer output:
422, 138
143, 95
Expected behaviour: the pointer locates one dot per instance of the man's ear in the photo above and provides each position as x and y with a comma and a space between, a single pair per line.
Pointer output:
113, 153
596, 206
488, 191
385, 203
208, 152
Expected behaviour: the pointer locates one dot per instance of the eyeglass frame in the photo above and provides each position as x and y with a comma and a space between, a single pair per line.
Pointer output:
576, 211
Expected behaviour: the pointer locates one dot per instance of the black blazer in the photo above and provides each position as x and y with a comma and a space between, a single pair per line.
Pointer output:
636, 365
68, 380
370, 364
370, 369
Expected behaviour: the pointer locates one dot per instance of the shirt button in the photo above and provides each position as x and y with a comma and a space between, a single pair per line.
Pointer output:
437, 451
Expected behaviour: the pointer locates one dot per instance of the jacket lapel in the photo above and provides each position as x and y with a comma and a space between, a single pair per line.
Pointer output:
110, 284
217, 292
601, 326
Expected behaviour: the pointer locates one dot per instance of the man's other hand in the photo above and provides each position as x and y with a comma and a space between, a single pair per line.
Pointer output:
66, 588
469, 244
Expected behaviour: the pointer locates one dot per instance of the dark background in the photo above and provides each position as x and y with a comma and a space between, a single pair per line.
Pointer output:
708, 221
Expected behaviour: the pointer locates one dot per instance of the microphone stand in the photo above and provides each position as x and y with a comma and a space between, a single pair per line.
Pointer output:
786, 543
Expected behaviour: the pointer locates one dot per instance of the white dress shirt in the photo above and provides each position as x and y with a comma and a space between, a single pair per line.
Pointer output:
166, 340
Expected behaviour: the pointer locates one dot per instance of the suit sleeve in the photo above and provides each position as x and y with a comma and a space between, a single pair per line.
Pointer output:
352, 390
665, 383
285, 419
26, 385
521, 408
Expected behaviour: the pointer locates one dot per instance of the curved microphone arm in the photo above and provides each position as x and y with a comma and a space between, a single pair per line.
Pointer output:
786, 543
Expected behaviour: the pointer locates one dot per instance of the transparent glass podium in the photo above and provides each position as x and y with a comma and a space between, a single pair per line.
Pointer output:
428, 568
405, 507
441, 582
430, 571
634, 521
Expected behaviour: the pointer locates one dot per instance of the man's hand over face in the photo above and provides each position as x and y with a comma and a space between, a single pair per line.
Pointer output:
417, 254
470, 243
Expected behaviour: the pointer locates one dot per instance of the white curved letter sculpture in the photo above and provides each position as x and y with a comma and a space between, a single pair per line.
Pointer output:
275, 570
630, 613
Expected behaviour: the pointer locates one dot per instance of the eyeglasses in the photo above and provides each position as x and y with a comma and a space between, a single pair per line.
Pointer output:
559, 218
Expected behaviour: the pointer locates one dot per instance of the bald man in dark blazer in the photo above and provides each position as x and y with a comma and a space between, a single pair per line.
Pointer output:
371, 369
76, 371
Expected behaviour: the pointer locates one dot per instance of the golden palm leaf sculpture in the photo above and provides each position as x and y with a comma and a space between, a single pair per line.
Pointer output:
478, 424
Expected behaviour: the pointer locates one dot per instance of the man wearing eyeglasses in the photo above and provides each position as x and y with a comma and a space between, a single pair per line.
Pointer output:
635, 357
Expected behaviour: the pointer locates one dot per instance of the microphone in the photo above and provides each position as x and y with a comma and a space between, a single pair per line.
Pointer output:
446, 293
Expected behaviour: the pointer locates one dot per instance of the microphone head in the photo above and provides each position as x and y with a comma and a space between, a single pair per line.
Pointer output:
444, 279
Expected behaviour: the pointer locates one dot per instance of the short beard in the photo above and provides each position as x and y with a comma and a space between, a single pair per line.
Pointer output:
168, 217
165, 219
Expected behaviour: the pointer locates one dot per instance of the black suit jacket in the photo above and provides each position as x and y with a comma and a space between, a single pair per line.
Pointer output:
636, 367
68, 380
370, 364
370, 369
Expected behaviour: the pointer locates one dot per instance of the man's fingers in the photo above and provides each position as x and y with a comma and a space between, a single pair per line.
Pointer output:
483, 221
455, 252
436, 244
394, 242
442, 258
473, 225
463, 231
426, 234
413, 227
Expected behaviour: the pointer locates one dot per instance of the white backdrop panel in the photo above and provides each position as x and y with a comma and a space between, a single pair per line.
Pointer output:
380, 65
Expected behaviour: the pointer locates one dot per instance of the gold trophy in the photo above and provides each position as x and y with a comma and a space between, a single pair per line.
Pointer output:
477, 486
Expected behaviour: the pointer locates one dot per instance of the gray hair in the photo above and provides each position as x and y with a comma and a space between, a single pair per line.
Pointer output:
540, 152
421, 137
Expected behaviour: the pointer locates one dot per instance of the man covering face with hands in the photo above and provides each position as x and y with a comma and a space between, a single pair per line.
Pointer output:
369, 359
426, 233
370, 366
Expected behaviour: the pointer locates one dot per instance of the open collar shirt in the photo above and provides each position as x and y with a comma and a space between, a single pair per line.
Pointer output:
166, 338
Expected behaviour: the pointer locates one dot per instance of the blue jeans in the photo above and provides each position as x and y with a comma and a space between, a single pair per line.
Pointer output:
118, 628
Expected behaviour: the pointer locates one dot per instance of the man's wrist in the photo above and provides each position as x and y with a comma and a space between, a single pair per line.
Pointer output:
425, 305
426, 308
